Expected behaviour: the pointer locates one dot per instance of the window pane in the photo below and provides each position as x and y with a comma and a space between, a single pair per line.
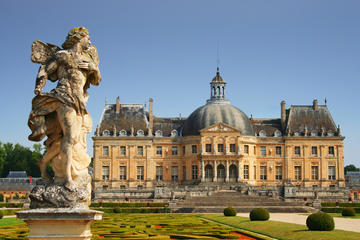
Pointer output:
159, 173
263, 150
140, 173
232, 147
194, 172
220, 147
208, 147
122, 172
297, 150
246, 148
331, 172
194, 149
140, 150
314, 150
278, 175
315, 172
297, 172
174, 150
246, 171
159, 150
122, 150
331, 150
278, 150
105, 172
174, 173
105, 150
263, 173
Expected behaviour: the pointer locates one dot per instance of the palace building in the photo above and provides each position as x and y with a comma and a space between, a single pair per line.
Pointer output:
217, 144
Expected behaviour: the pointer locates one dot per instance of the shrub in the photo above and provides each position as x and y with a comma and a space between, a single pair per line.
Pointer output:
259, 214
348, 211
117, 210
320, 221
1, 215
229, 211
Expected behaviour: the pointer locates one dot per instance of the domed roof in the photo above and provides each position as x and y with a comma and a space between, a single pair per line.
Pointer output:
211, 114
218, 78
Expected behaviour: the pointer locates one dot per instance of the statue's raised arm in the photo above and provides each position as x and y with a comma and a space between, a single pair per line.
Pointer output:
61, 115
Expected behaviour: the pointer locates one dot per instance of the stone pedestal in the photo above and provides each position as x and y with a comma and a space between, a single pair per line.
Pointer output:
59, 223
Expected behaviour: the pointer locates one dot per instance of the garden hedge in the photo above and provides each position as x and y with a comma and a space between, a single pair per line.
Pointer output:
348, 211
229, 211
337, 209
133, 204
11, 205
320, 221
259, 214
140, 210
347, 204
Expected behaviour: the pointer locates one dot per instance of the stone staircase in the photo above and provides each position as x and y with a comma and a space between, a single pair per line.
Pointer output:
216, 202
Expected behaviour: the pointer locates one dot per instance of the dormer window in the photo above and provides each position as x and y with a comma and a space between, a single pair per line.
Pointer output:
140, 133
158, 133
106, 133
277, 133
262, 133
174, 133
330, 134
296, 134
313, 133
122, 133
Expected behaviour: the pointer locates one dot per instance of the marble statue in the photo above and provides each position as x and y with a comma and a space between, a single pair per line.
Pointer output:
61, 116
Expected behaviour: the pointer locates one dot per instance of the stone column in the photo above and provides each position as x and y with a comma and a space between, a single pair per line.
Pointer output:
202, 171
323, 166
239, 171
227, 171
215, 172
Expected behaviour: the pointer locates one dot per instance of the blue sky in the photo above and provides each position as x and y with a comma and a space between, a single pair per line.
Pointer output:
269, 51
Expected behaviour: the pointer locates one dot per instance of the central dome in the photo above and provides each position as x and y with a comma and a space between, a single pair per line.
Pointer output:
217, 109
211, 114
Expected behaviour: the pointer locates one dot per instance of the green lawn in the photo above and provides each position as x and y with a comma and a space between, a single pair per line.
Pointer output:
182, 226
357, 216
282, 230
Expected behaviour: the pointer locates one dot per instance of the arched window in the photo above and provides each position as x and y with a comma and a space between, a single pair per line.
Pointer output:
262, 133
277, 133
106, 133
174, 133
313, 133
158, 133
220, 171
140, 133
122, 133
208, 171
233, 171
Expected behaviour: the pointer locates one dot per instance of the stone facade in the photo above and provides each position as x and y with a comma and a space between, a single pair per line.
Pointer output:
217, 144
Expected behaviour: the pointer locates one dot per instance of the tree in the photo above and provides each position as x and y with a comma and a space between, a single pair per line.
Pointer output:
2, 157
351, 168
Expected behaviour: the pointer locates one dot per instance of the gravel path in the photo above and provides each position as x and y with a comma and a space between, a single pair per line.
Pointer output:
346, 224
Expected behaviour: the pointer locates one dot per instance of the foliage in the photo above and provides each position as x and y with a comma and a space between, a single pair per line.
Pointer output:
337, 209
1, 215
127, 204
320, 221
229, 211
348, 211
19, 158
11, 205
259, 214
141, 210
347, 204
351, 168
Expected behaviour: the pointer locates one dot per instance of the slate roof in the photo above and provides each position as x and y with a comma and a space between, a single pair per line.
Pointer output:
269, 125
300, 117
136, 116
17, 174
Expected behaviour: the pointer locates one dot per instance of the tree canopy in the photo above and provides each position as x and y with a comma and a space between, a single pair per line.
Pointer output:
351, 168
19, 158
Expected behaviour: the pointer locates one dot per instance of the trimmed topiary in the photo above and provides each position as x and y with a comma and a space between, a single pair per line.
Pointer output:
348, 211
229, 211
320, 221
117, 210
259, 214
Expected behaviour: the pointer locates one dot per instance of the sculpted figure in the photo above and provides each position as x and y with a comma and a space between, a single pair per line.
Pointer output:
61, 113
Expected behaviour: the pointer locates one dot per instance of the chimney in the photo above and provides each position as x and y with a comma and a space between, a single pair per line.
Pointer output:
151, 113
315, 104
117, 105
283, 113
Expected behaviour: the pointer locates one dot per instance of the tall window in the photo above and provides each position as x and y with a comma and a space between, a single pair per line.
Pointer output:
193, 148
174, 173
263, 175
122, 150
331, 172
232, 147
254, 172
183, 152
263, 150
314, 151
297, 172
208, 147
297, 150
184, 172
140, 150
246, 149
315, 172
140, 173
278, 172
278, 150
105, 150
331, 150
220, 147
122, 172
105, 172
195, 172
246, 171
159, 173
174, 150
159, 150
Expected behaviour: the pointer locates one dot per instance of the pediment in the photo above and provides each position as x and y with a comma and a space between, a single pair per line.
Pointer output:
219, 127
